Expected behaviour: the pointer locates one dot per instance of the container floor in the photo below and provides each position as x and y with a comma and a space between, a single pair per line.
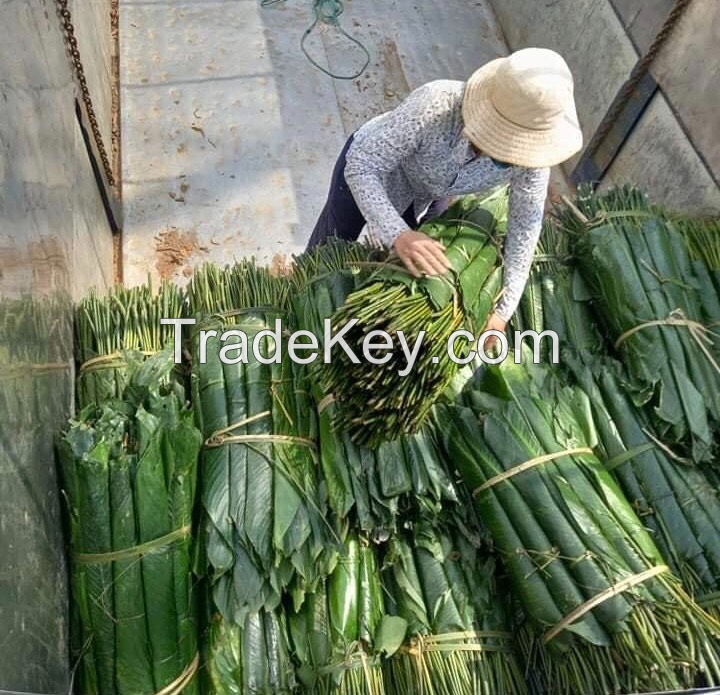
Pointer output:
229, 134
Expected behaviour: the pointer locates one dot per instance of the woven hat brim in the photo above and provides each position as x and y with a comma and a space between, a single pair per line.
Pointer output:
506, 141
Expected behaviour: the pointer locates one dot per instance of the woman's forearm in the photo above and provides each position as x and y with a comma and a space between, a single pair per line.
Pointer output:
383, 219
528, 191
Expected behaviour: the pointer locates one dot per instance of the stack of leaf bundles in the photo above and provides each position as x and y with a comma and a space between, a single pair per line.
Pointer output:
674, 498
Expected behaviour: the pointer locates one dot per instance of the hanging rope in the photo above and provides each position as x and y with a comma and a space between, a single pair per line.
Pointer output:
328, 12
637, 73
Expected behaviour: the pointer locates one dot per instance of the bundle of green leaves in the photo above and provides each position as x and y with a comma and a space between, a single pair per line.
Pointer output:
604, 612
657, 306
125, 320
342, 632
379, 402
129, 471
441, 580
265, 527
369, 487
251, 657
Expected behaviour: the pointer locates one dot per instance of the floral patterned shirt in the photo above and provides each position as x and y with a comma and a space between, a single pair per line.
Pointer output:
417, 153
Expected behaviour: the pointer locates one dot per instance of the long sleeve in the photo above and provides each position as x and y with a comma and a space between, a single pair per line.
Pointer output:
391, 141
528, 191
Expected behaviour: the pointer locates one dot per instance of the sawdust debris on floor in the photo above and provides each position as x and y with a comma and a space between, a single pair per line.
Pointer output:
173, 248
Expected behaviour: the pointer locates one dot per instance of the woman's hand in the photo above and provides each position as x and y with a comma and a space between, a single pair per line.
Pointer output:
420, 254
494, 323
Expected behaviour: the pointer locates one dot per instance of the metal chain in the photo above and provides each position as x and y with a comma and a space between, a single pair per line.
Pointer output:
638, 72
79, 70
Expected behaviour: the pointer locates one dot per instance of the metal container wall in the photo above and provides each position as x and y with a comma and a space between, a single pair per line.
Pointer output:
54, 244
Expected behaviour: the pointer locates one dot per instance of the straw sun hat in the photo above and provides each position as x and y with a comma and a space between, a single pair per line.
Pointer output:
521, 109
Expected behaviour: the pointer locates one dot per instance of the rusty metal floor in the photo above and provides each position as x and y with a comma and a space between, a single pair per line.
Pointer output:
229, 134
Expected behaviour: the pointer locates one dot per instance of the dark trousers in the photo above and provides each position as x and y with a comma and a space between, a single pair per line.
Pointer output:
341, 216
